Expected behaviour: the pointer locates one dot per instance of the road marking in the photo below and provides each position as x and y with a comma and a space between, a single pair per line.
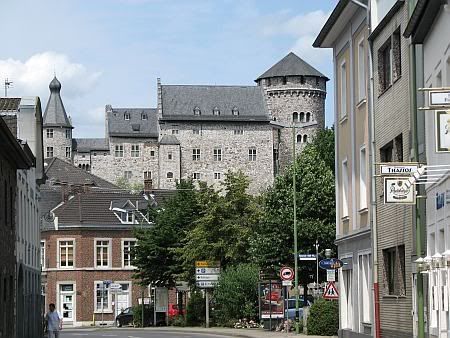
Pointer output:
109, 335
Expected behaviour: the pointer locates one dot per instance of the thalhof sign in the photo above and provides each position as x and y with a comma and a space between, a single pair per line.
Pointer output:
396, 191
439, 98
398, 169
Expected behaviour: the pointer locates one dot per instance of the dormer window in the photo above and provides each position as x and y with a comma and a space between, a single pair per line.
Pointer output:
216, 111
197, 111
144, 116
235, 111
126, 116
127, 217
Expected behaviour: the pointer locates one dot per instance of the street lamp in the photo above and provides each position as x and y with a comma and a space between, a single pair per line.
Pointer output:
294, 193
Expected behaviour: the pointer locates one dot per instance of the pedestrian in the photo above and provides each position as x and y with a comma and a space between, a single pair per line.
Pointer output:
53, 322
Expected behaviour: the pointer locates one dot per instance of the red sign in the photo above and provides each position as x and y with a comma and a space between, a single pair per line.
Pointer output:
286, 273
331, 291
271, 300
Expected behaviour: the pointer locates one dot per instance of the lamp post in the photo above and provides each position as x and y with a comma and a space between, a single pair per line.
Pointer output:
294, 193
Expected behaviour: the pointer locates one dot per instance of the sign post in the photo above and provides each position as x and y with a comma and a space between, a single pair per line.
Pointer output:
286, 275
106, 284
206, 277
331, 291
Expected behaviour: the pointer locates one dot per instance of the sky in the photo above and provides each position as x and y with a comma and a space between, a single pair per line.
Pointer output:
112, 51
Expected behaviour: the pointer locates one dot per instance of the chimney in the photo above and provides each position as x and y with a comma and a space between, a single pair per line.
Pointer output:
148, 185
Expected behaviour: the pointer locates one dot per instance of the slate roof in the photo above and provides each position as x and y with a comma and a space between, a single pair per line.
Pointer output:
291, 65
169, 139
9, 104
55, 113
88, 144
59, 171
135, 126
180, 101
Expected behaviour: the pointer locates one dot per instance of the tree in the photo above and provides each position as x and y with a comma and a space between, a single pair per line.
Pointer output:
272, 245
236, 296
324, 143
125, 184
154, 256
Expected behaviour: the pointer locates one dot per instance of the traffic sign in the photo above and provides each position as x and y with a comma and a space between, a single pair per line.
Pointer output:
439, 98
206, 284
207, 277
286, 273
307, 257
331, 291
331, 263
107, 282
207, 264
207, 271
331, 275
115, 286
286, 283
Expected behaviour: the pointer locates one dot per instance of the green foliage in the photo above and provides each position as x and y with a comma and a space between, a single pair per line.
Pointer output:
236, 296
323, 319
125, 184
137, 315
323, 141
177, 321
195, 311
273, 242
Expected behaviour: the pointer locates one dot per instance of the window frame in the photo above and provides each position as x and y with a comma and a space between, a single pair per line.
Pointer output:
217, 175
362, 86
68, 152
126, 116
252, 153
50, 133
343, 105
109, 252
217, 154
345, 209
363, 179
135, 151
42, 252
130, 266
58, 254
118, 150
196, 176
50, 152
109, 299
196, 154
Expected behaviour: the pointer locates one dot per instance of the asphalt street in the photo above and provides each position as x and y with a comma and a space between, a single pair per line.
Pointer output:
133, 333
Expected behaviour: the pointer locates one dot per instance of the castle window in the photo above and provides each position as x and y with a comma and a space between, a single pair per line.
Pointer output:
147, 175
126, 116
217, 176
79, 165
305, 138
268, 83
216, 111
299, 138
197, 111
175, 131
169, 155
217, 154
235, 111
196, 176
302, 79
118, 150
49, 151
152, 153
68, 152
196, 131
196, 154
302, 117
127, 174
144, 116
252, 154
239, 132
68, 133
295, 117
284, 80
49, 133
170, 174
87, 167
135, 152
308, 117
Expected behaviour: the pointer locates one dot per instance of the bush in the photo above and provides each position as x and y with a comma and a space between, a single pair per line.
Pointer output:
323, 319
195, 310
177, 321
137, 315
236, 296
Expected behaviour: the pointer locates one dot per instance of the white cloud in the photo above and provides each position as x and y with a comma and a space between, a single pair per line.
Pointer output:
32, 77
303, 28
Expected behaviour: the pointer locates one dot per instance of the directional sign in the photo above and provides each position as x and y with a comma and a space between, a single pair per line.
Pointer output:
115, 286
286, 273
207, 277
439, 98
286, 283
207, 264
207, 271
307, 257
331, 275
330, 263
331, 291
206, 284
107, 282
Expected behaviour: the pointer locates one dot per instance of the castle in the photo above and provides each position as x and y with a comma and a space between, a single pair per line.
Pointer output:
199, 131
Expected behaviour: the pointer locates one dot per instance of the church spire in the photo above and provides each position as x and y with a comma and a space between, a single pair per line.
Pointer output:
55, 113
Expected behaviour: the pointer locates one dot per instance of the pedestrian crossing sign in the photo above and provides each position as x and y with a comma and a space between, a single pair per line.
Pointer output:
331, 291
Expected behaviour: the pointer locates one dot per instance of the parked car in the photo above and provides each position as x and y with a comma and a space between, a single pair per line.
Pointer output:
126, 317
289, 306
174, 310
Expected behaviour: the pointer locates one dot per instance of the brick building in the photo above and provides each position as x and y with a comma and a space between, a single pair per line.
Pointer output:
199, 132
13, 157
86, 238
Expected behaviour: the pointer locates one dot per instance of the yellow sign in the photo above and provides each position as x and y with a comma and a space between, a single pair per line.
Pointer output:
207, 264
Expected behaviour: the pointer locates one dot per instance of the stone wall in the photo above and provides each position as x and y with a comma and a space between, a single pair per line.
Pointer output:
59, 142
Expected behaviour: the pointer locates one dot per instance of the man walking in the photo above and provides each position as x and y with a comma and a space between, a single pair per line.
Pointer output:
54, 322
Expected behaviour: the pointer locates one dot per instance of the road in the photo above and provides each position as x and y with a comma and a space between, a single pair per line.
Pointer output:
133, 333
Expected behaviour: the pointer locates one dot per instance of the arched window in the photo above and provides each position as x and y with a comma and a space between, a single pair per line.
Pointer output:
144, 116
302, 117
299, 138
126, 116
170, 174
295, 117
87, 167
308, 117
216, 111
235, 111
197, 111
305, 138
83, 166
79, 166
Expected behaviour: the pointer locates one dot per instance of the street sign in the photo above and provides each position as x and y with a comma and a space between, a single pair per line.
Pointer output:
330, 264
442, 131
286, 273
396, 191
207, 264
115, 286
206, 284
107, 282
439, 98
307, 257
398, 169
331, 291
286, 283
207, 271
331, 275
207, 277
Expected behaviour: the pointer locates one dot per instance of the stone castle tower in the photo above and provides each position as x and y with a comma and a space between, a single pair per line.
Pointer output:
295, 94
57, 127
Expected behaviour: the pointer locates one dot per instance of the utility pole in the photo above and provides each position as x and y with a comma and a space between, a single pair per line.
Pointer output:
317, 264
294, 192
8, 84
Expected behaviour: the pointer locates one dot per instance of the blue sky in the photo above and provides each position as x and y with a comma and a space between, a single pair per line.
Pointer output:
112, 51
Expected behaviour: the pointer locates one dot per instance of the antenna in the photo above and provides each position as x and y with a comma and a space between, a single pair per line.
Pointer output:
8, 84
